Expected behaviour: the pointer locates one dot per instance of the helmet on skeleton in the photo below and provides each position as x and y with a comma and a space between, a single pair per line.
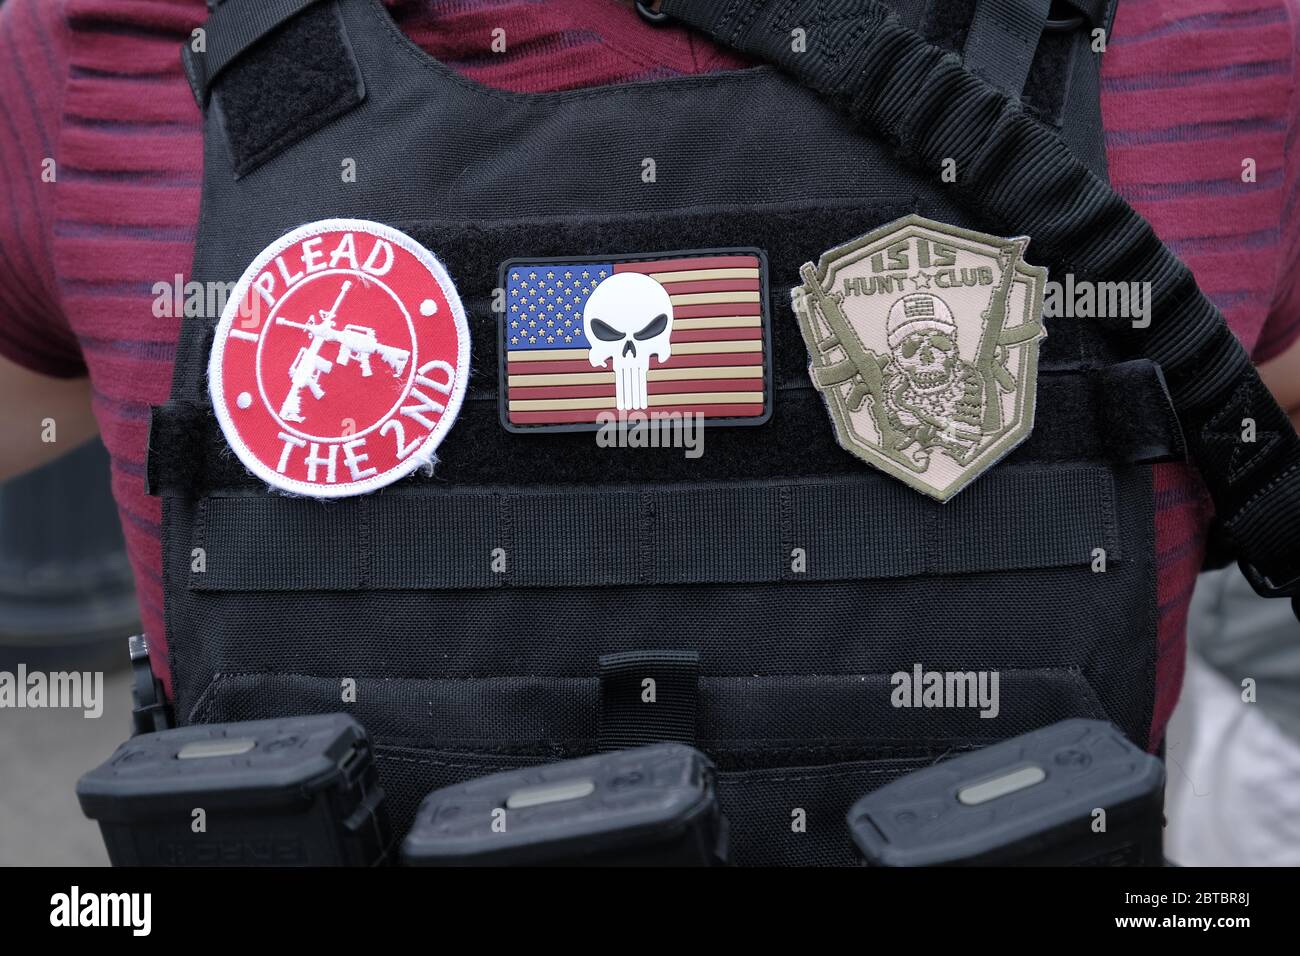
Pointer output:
919, 312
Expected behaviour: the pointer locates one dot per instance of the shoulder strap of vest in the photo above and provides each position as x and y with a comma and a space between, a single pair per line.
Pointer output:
1003, 38
231, 29
1020, 178
279, 69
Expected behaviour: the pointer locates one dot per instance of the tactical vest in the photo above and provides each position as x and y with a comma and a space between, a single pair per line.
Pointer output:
514, 605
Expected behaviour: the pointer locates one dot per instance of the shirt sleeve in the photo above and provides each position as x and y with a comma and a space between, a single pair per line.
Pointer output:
34, 330
1282, 327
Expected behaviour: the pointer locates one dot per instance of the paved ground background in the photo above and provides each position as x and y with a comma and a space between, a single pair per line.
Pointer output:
42, 753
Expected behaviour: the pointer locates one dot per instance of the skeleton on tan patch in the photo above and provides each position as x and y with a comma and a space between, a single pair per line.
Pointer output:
934, 398
923, 340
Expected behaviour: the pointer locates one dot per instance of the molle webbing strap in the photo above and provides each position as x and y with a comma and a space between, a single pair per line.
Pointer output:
648, 697
1003, 39
1021, 179
845, 529
1084, 416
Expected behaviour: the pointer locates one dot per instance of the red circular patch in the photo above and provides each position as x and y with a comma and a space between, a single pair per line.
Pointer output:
341, 359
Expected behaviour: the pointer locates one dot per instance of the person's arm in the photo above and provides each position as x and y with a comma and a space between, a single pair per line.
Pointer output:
1277, 353
1282, 376
45, 407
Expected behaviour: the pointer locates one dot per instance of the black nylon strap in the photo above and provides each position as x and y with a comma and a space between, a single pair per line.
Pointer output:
1021, 179
1082, 416
864, 528
648, 697
1003, 39
231, 29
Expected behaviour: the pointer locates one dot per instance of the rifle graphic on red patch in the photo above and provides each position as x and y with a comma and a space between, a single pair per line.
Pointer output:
354, 341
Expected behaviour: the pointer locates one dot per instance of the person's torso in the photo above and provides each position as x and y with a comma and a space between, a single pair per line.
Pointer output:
130, 159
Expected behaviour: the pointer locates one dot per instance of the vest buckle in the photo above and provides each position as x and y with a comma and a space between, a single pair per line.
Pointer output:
649, 14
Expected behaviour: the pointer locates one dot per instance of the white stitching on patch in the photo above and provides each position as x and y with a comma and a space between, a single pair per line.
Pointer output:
424, 455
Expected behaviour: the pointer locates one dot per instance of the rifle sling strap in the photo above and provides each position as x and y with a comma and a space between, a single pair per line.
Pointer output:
1021, 179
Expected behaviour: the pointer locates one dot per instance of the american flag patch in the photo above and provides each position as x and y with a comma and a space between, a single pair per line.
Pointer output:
585, 341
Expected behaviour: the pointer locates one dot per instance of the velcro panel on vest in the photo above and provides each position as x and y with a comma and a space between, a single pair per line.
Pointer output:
1139, 412
232, 27
286, 85
865, 528
1082, 416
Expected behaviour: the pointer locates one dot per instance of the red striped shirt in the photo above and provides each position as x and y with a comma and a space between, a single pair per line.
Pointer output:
1191, 89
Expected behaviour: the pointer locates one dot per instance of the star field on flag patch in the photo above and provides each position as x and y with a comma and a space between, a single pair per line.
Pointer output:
544, 306
676, 332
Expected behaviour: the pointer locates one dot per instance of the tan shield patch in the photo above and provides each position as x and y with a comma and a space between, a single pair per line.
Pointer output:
923, 340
